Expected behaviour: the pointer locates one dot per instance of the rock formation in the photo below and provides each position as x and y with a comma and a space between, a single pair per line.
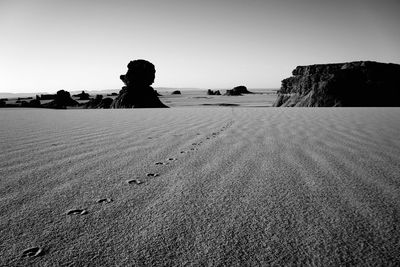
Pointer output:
35, 103
238, 90
62, 100
176, 92
82, 96
211, 92
99, 102
137, 92
361, 83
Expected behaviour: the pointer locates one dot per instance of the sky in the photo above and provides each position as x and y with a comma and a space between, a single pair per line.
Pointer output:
48, 45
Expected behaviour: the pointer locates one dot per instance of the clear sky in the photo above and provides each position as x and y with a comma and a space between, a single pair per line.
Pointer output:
81, 44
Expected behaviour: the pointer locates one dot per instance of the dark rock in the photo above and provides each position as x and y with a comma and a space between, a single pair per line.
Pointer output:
137, 92
82, 96
177, 92
24, 103
46, 97
361, 83
211, 92
242, 89
35, 103
63, 100
238, 90
105, 103
112, 94
99, 102
2, 103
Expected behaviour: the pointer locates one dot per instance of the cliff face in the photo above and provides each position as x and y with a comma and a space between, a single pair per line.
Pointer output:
361, 83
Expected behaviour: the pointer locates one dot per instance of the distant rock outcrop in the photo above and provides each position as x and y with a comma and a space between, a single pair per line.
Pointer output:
62, 100
211, 92
82, 96
99, 102
46, 97
361, 83
137, 92
238, 90
35, 103
176, 92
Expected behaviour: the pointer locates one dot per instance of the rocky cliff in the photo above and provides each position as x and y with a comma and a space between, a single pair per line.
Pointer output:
361, 83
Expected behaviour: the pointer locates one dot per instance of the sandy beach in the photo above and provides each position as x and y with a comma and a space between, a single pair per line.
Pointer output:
200, 186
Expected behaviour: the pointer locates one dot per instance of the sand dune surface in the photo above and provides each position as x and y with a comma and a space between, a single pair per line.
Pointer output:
202, 186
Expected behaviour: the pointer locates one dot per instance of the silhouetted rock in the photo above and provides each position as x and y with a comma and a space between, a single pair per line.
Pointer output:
63, 99
2, 103
211, 92
35, 103
361, 83
242, 89
46, 97
176, 92
23, 103
99, 102
82, 96
112, 94
105, 103
138, 93
238, 90
31, 104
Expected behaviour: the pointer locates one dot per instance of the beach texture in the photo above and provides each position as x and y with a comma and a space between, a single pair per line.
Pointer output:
200, 186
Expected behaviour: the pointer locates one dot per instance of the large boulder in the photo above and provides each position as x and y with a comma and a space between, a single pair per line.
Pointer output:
62, 100
238, 90
176, 92
361, 83
137, 92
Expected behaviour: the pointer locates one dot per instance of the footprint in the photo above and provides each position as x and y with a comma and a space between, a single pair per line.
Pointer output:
104, 200
77, 212
134, 181
194, 144
183, 152
171, 159
32, 252
152, 174
159, 163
